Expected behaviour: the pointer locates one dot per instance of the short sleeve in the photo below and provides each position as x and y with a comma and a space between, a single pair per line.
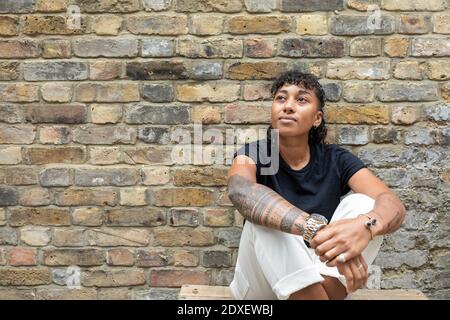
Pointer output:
348, 164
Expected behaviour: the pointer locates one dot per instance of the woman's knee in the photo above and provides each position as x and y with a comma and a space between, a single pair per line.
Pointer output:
354, 205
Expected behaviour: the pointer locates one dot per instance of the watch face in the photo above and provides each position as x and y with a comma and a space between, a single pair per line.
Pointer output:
319, 217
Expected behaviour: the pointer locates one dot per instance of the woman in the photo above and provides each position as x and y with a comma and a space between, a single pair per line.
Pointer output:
299, 240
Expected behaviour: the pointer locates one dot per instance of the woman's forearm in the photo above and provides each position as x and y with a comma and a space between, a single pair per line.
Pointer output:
261, 205
389, 212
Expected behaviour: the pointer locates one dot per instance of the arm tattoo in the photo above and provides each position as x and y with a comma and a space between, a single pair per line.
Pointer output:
261, 205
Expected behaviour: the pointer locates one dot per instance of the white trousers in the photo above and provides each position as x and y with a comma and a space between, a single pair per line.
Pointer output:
272, 264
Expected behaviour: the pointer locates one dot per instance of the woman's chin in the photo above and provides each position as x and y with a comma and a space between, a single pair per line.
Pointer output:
288, 131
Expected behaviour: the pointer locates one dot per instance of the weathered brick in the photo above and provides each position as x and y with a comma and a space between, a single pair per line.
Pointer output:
105, 70
92, 134
2, 217
14, 6
104, 177
414, 24
87, 197
113, 278
229, 237
224, 278
210, 48
18, 92
445, 91
405, 115
19, 49
158, 47
88, 216
260, 5
407, 92
185, 258
8, 236
56, 92
438, 70
412, 5
183, 217
216, 258
11, 113
218, 217
333, 91
17, 294
259, 48
315, 5
246, 113
396, 46
420, 136
66, 237
24, 276
115, 293
39, 217
409, 70
142, 113
39, 155
205, 70
104, 155
365, 47
157, 70
105, 113
177, 278
122, 6
257, 91
34, 197
212, 92
156, 5
111, 92
18, 175
158, 135
441, 23
110, 237
35, 236
352, 135
206, 114
312, 24
148, 155
133, 196
152, 258
362, 70
9, 70
439, 112
66, 294
200, 176
430, 47
17, 134
258, 24
54, 135
67, 257
155, 175
54, 177
206, 24
108, 25
108, 48
385, 135
228, 6
255, 70
312, 47
148, 217
358, 92
8, 26
358, 25
158, 92
120, 257
10, 155
51, 25
158, 24
55, 113
183, 236
176, 197
56, 48
22, 257
51, 6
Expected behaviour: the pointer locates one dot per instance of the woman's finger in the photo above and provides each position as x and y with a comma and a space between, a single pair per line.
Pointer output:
364, 267
357, 273
333, 253
349, 278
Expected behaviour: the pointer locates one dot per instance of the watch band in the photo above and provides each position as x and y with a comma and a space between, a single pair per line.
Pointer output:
314, 223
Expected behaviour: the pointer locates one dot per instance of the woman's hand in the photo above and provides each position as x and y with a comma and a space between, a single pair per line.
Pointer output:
346, 236
355, 272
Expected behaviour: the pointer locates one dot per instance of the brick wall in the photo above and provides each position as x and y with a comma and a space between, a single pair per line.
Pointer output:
87, 116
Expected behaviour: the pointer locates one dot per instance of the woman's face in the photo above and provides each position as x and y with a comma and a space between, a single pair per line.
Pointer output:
295, 110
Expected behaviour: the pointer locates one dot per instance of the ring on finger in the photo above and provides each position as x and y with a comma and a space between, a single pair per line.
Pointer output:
341, 258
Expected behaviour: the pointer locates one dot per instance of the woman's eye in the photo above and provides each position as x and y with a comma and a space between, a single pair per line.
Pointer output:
301, 99
280, 97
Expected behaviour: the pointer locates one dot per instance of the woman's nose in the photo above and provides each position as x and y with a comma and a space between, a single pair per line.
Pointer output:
289, 105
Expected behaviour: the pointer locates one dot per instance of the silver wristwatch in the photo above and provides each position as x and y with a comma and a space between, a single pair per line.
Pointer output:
314, 223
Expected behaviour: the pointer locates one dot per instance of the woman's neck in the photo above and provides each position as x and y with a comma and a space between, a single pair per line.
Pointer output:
295, 151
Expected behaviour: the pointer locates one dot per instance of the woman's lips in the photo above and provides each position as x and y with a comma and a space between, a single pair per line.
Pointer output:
286, 120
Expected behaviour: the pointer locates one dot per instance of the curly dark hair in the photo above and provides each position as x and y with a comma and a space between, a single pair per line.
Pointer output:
310, 82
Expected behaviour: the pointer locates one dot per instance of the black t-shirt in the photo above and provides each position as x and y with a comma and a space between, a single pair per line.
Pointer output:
317, 187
